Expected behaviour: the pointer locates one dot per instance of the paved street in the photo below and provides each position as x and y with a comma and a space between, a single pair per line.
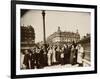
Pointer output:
61, 66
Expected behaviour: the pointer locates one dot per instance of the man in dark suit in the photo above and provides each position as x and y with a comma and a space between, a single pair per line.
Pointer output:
41, 58
32, 58
26, 61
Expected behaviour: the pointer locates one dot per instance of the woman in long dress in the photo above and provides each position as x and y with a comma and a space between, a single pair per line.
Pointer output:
66, 54
58, 53
54, 54
72, 54
49, 56
22, 59
80, 55
62, 56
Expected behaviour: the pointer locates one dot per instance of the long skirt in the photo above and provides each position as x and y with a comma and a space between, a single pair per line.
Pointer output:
49, 59
54, 57
79, 57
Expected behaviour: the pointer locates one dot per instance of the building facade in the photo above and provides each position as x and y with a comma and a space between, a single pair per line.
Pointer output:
27, 37
61, 37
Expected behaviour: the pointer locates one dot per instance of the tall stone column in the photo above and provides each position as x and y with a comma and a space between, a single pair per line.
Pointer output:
44, 38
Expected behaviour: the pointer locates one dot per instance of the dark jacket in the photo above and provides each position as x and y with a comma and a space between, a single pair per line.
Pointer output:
26, 60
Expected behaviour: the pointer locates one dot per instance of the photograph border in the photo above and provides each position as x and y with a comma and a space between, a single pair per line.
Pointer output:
13, 38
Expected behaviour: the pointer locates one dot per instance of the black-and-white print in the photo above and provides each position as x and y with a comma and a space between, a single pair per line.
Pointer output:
55, 39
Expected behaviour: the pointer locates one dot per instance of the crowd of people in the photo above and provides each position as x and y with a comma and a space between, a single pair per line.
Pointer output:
41, 56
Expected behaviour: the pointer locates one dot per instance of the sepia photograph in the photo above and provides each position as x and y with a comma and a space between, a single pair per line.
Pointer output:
51, 39
55, 39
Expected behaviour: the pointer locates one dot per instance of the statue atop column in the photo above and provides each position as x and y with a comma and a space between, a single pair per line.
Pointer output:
59, 29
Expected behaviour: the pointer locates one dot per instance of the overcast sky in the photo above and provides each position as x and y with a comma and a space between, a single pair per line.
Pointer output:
68, 21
